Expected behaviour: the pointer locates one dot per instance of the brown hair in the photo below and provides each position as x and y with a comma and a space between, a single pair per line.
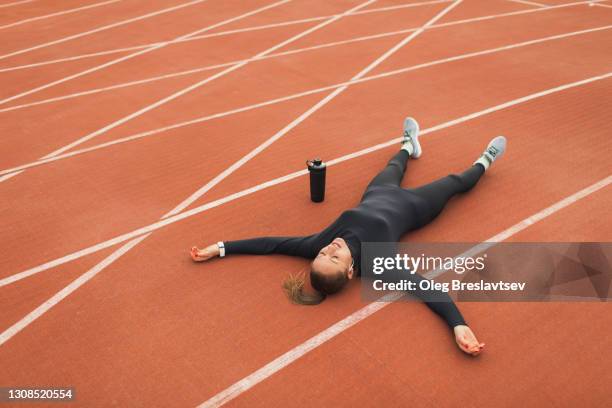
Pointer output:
322, 284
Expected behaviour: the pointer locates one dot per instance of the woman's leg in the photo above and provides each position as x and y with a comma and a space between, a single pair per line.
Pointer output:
437, 193
393, 173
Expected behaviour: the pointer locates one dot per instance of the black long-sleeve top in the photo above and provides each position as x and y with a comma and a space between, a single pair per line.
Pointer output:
383, 215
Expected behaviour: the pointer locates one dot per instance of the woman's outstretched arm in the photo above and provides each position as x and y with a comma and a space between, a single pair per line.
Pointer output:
295, 246
442, 304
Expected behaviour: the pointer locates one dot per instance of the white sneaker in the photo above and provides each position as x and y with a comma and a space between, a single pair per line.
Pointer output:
494, 151
411, 138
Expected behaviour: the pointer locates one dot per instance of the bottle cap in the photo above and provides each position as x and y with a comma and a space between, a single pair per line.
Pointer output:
315, 163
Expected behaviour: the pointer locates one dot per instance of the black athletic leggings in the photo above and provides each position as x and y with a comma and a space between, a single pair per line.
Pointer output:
436, 193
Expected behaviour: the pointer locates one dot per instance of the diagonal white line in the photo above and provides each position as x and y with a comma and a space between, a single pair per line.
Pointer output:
59, 13
304, 116
220, 34
62, 294
8, 172
205, 207
289, 357
599, 4
8, 176
529, 3
16, 3
99, 29
300, 350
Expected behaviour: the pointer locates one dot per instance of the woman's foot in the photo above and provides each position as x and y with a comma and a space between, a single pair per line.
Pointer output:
410, 143
494, 151
466, 340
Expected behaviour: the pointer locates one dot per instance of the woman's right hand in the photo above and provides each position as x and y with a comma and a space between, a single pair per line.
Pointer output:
200, 255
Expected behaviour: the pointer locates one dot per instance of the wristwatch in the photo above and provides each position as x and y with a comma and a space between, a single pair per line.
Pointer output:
221, 246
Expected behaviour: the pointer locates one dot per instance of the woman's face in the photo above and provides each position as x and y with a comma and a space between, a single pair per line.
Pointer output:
334, 258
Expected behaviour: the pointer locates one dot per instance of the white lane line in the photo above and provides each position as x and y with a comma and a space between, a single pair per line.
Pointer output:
15, 3
59, 296
79, 57
99, 29
275, 55
290, 97
135, 54
8, 176
199, 84
223, 175
59, 13
219, 34
289, 357
600, 5
300, 350
20, 325
529, 3
205, 207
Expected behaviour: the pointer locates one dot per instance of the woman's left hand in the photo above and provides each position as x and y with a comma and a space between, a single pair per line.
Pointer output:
466, 340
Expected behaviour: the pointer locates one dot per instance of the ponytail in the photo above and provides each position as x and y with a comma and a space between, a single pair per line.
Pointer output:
323, 285
293, 286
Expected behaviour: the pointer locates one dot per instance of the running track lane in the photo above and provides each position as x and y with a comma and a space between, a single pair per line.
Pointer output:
195, 86
179, 308
191, 14
215, 96
476, 85
28, 13
403, 356
140, 180
147, 203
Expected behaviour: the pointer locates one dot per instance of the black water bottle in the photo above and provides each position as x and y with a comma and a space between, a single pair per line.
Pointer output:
317, 179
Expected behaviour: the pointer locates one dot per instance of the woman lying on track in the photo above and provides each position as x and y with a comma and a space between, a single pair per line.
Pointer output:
386, 211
